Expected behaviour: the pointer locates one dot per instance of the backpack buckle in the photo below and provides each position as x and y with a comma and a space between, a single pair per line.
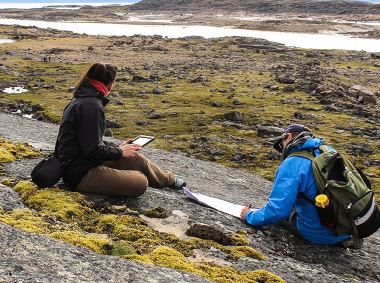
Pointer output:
348, 208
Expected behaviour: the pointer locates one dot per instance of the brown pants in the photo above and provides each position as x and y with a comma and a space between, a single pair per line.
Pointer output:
126, 177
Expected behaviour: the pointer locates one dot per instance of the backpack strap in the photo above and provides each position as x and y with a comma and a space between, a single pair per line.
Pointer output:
309, 200
319, 179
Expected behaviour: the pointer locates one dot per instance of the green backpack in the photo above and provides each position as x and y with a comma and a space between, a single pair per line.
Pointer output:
355, 210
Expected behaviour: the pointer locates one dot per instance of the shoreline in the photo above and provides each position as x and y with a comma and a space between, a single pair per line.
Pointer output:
341, 38
353, 25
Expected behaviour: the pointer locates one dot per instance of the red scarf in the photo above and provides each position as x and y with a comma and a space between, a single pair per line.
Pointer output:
99, 86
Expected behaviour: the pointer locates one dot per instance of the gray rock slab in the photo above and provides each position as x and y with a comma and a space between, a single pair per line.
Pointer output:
288, 256
29, 257
9, 199
21, 129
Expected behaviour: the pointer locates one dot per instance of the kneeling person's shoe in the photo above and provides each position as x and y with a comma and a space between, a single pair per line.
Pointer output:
178, 184
352, 243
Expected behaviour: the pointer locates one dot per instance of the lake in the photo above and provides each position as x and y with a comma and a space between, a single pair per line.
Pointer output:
5, 40
299, 40
57, 5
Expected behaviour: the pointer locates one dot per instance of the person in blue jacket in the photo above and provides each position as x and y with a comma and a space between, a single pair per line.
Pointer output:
295, 177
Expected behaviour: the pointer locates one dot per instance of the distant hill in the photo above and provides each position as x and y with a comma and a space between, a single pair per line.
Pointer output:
262, 6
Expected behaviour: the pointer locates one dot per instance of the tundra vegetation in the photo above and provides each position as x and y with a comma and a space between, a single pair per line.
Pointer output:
221, 100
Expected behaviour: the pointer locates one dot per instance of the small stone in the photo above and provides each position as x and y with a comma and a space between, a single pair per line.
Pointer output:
154, 115
157, 90
108, 133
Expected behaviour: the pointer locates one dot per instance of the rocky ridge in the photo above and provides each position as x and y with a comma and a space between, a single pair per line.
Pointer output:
261, 6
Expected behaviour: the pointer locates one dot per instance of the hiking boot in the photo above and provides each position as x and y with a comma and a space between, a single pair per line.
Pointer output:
352, 243
178, 184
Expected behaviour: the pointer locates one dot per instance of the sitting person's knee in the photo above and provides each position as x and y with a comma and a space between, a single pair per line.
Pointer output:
141, 186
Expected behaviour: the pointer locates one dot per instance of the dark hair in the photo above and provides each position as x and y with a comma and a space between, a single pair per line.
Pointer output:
104, 73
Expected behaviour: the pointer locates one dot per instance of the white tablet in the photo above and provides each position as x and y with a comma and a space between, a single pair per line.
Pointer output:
143, 140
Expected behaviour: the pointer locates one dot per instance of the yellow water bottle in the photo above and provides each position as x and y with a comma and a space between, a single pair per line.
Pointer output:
325, 210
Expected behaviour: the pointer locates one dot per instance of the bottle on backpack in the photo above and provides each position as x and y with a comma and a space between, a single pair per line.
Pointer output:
325, 210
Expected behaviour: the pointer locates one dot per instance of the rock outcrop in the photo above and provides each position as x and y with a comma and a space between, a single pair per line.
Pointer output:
31, 257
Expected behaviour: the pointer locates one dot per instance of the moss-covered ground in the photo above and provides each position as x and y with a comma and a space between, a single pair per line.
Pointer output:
226, 74
68, 216
192, 74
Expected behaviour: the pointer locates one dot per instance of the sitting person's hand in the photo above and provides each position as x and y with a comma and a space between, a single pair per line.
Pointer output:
130, 150
126, 142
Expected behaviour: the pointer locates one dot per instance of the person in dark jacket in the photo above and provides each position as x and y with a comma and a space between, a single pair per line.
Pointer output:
95, 165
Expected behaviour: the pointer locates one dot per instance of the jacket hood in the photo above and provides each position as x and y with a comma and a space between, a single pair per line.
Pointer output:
304, 141
86, 89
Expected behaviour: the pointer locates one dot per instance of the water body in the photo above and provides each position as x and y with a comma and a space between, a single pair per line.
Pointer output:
5, 40
57, 5
16, 89
300, 40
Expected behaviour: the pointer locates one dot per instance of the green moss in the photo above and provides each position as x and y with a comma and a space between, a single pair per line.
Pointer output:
25, 219
157, 212
351, 276
10, 151
145, 246
263, 276
25, 188
33, 221
62, 215
61, 203
98, 243
7, 155
239, 238
106, 223
9, 182
240, 251
133, 234
122, 248
165, 256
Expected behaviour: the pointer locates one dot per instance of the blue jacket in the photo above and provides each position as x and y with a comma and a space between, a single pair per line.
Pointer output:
295, 176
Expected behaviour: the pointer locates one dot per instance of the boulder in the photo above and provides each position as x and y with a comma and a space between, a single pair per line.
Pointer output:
140, 79
157, 90
331, 108
216, 104
154, 115
112, 124
269, 131
367, 99
358, 91
197, 80
286, 79
235, 116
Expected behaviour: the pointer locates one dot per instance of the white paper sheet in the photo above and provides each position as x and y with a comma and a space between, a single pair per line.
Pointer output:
218, 204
